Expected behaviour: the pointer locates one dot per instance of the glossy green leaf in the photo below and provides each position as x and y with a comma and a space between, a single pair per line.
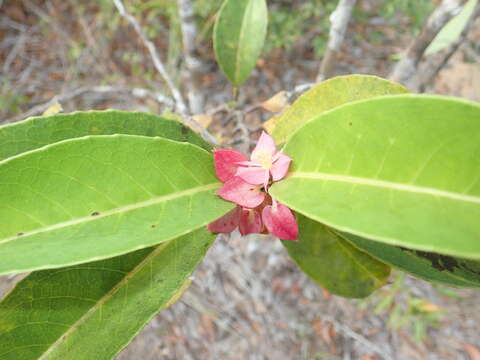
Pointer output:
429, 266
96, 197
91, 311
39, 131
328, 95
333, 262
403, 170
238, 37
452, 30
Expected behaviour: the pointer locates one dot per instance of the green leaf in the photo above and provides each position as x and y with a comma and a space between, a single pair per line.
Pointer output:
238, 37
452, 30
403, 170
429, 266
335, 264
36, 132
328, 95
96, 197
91, 311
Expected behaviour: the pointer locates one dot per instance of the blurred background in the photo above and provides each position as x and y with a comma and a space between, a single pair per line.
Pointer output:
247, 299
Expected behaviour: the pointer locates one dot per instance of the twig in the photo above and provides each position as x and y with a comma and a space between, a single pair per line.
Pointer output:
339, 19
298, 90
136, 92
357, 337
192, 63
181, 106
436, 62
407, 66
17, 47
179, 102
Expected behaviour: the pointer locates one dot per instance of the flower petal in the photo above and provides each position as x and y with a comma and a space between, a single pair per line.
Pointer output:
227, 223
280, 167
280, 222
226, 163
250, 222
265, 144
253, 175
242, 193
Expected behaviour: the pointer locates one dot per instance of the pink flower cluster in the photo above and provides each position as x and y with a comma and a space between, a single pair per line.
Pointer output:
246, 184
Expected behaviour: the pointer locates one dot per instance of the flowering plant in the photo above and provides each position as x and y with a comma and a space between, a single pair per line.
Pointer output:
246, 184
109, 210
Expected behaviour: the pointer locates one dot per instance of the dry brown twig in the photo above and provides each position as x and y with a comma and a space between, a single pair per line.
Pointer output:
406, 68
348, 332
339, 19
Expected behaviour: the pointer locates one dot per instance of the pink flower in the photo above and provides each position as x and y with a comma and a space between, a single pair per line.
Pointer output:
264, 161
246, 184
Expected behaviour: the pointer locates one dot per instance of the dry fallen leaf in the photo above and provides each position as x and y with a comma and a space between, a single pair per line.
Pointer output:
53, 109
325, 331
472, 351
276, 103
326, 294
429, 307
208, 327
369, 357
220, 137
203, 119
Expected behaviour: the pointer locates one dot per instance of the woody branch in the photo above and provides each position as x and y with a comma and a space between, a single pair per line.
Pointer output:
339, 19
434, 63
192, 72
406, 68
180, 104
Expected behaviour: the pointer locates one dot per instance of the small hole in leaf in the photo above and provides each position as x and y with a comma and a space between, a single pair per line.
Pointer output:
95, 213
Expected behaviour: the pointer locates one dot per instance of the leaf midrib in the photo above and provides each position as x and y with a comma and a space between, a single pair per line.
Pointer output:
128, 276
386, 184
111, 212
360, 264
240, 41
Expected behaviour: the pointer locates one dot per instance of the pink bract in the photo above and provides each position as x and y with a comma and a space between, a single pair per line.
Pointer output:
226, 163
250, 222
279, 221
242, 193
227, 223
